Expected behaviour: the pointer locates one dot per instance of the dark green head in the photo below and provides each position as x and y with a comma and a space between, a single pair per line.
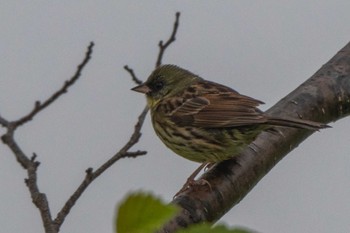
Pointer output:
165, 81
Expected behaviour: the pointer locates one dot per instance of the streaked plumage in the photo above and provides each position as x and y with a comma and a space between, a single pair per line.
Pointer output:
205, 121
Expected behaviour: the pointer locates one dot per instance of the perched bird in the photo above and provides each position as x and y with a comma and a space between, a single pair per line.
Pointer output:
204, 121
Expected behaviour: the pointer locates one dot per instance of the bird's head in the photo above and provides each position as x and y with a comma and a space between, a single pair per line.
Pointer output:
164, 82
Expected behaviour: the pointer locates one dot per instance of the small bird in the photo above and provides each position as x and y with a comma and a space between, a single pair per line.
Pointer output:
204, 121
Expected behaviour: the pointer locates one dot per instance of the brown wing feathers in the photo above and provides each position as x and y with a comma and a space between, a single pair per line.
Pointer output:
212, 110
222, 107
229, 110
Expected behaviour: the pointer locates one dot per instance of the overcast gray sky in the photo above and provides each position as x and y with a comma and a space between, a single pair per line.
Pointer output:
264, 49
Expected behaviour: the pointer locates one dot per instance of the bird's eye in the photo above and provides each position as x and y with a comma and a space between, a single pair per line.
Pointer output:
157, 85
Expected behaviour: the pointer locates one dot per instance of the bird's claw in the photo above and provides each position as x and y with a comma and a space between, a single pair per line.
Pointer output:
193, 184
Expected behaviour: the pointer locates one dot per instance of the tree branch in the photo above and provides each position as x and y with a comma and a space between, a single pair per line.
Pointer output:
163, 47
30, 164
92, 175
9, 140
38, 106
3, 122
132, 74
38, 198
324, 97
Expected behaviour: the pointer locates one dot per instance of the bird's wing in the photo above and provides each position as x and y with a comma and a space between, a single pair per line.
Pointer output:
216, 110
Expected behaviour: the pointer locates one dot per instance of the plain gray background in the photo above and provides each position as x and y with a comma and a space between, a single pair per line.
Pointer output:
264, 49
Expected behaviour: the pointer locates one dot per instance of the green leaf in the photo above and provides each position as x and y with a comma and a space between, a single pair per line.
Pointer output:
206, 228
143, 213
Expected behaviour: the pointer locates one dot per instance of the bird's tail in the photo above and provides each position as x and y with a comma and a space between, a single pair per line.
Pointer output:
296, 123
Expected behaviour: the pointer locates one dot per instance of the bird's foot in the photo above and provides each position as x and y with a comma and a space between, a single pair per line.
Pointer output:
194, 185
191, 183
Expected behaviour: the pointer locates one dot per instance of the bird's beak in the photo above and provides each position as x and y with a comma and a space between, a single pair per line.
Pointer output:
142, 89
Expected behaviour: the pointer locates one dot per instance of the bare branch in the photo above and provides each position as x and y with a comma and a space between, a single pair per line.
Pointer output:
132, 74
30, 164
163, 47
38, 198
3, 122
9, 140
40, 106
134, 154
92, 175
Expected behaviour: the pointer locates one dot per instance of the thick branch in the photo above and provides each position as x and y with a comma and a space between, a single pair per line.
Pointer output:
325, 97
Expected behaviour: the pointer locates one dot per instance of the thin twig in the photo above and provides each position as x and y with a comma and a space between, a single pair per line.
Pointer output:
163, 47
9, 140
3, 122
92, 175
38, 106
132, 74
134, 154
38, 198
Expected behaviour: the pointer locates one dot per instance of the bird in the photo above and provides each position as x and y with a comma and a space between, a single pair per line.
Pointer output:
204, 121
